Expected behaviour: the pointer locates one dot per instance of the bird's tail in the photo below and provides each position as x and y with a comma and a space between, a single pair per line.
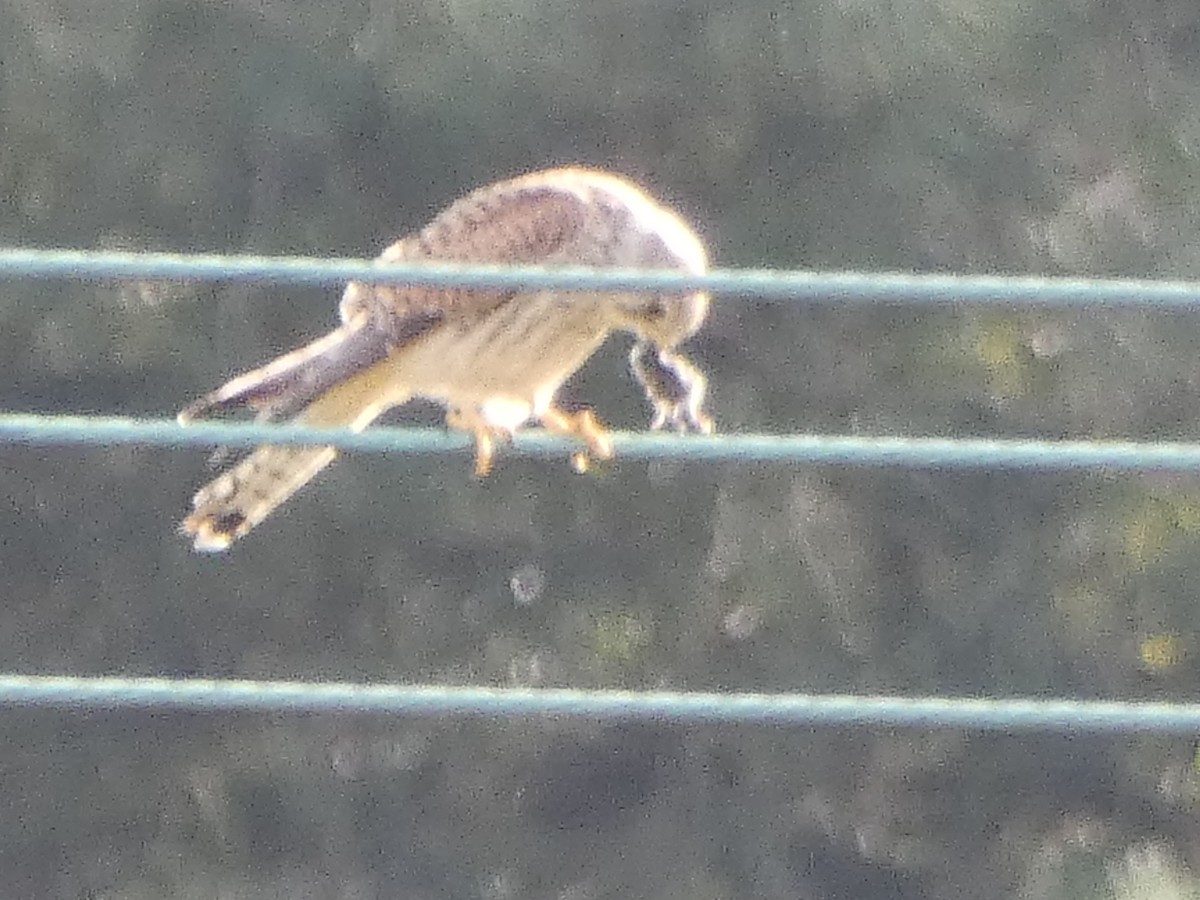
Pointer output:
236, 500
333, 382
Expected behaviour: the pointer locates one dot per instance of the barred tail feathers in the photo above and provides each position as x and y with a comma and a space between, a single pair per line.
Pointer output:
227, 508
340, 381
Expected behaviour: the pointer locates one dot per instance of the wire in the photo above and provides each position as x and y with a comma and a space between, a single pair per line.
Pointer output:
205, 695
44, 430
764, 284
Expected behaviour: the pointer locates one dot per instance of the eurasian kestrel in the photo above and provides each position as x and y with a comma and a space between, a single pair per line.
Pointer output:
493, 358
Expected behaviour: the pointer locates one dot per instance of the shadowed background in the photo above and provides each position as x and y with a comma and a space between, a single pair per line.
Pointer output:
946, 136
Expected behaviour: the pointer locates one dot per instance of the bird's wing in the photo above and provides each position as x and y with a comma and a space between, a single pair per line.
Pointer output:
534, 220
285, 386
528, 220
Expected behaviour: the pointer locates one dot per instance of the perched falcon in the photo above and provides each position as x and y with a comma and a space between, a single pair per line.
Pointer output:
493, 358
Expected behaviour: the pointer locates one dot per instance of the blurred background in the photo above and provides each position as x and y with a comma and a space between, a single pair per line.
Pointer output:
978, 136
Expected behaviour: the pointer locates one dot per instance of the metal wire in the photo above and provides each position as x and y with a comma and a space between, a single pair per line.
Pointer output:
924, 452
790, 709
203, 695
768, 284
208, 695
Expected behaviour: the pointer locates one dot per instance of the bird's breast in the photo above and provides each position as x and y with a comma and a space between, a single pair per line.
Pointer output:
517, 354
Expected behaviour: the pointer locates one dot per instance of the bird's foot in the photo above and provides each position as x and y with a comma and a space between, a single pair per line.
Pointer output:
486, 437
584, 426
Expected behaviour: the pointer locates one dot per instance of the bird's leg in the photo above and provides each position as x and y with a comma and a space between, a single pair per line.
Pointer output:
582, 425
485, 436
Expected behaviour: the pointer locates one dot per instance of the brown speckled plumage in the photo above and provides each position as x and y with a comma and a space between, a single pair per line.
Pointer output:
494, 358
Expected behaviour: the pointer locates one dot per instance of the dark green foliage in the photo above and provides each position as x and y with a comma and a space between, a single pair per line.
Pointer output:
972, 136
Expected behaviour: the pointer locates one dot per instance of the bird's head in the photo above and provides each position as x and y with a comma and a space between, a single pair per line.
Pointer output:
665, 320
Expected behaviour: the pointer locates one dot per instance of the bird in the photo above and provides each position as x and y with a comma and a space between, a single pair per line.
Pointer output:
493, 358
